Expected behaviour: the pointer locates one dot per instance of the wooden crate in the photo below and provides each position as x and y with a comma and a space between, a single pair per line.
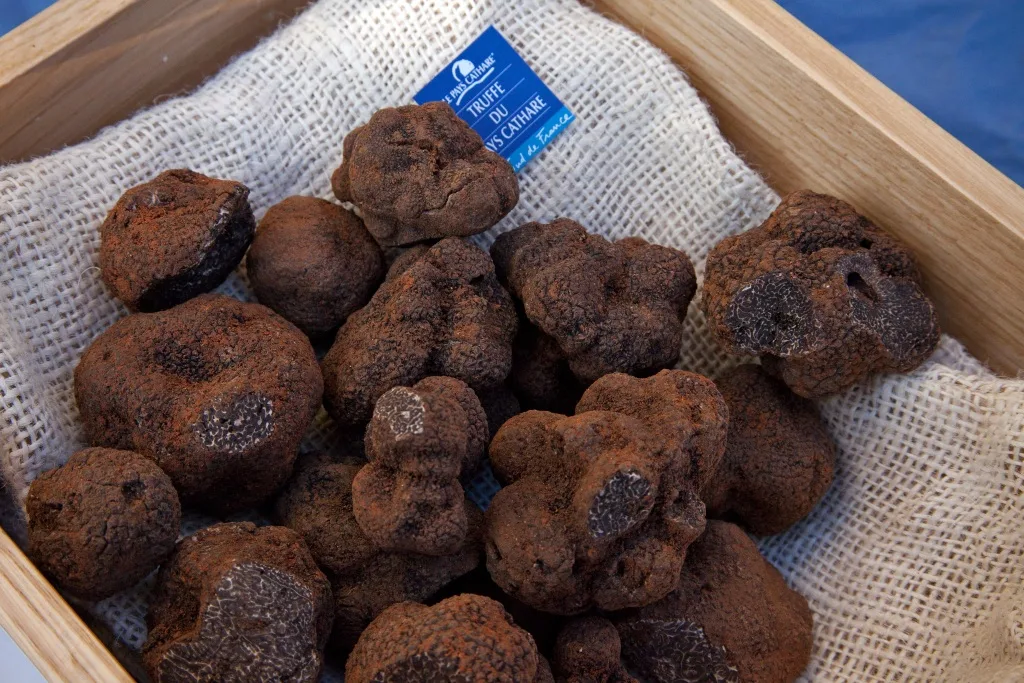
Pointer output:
797, 109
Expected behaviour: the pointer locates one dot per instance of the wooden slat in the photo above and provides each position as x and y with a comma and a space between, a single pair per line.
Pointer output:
83, 64
45, 627
806, 116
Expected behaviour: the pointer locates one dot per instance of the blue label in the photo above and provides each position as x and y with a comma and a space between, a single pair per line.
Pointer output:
492, 89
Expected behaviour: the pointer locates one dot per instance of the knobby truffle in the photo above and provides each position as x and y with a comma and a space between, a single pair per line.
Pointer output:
823, 295
732, 618
237, 604
610, 307
174, 237
317, 503
445, 314
463, 639
420, 442
588, 651
420, 172
594, 513
218, 392
313, 263
779, 458
102, 521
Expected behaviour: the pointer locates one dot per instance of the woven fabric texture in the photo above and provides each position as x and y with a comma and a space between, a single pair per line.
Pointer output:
912, 563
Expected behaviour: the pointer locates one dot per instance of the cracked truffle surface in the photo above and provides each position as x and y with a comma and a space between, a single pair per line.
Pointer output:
313, 263
420, 442
179, 235
732, 618
445, 314
588, 651
317, 504
683, 410
420, 172
218, 392
101, 522
823, 295
779, 459
610, 307
463, 639
594, 514
237, 604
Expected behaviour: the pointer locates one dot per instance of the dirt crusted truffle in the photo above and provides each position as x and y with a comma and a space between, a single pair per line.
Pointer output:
421, 441
779, 458
732, 618
420, 172
218, 392
822, 294
102, 521
235, 604
610, 307
463, 639
588, 651
313, 263
174, 237
594, 513
317, 504
445, 314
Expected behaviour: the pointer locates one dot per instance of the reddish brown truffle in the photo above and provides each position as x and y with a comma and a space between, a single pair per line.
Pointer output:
174, 237
464, 639
420, 172
779, 459
400, 258
317, 503
236, 604
822, 294
588, 651
733, 618
682, 410
102, 521
594, 514
420, 442
540, 375
313, 263
609, 307
218, 392
445, 314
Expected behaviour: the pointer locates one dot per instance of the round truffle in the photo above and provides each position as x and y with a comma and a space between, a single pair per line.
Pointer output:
594, 513
823, 295
463, 639
445, 315
609, 307
317, 504
313, 263
420, 172
779, 458
218, 392
732, 618
588, 651
420, 442
101, 522
179, 235
237, 604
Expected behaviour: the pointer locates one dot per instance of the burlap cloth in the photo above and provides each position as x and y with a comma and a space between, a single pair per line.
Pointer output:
913, 561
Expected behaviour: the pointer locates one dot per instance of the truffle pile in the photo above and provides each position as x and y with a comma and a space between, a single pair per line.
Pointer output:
619, 539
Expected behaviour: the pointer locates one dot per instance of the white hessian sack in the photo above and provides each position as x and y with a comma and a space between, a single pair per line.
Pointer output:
912, 563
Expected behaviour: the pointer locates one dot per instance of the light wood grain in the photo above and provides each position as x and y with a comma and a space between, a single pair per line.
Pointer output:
83, 64
806, 116
45, 627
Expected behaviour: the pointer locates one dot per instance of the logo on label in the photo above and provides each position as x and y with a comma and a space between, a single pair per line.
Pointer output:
468, 75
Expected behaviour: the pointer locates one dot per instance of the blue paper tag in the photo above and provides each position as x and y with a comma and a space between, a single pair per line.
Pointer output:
492, 89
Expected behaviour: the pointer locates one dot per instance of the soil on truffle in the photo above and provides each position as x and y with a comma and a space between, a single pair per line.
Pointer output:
101, 522
420, 172
176, 236
218, 392
236, 604
313, 263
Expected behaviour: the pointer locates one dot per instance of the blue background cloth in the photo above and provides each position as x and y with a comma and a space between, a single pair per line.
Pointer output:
961, 62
